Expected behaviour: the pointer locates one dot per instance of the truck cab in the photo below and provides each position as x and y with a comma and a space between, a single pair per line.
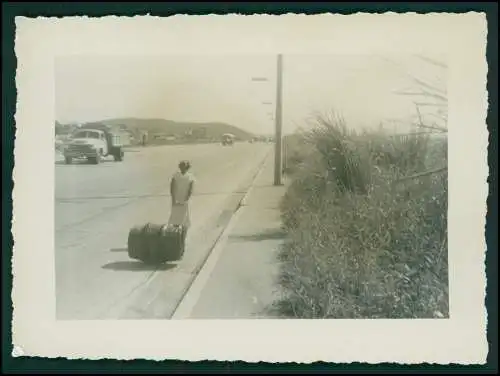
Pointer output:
93, 145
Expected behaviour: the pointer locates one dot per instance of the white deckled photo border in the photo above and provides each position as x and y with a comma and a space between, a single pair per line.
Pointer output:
460, 339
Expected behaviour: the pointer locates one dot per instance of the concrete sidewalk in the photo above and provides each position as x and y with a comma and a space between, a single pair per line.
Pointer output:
239, 279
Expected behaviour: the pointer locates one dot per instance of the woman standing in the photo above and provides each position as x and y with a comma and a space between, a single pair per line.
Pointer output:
181, 190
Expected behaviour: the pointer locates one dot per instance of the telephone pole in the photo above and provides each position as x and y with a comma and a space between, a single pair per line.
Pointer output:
278, 163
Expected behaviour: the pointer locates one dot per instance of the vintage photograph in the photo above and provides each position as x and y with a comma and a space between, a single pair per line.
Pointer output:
262, 188
303, 186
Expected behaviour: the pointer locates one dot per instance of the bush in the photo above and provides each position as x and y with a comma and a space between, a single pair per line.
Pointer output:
362, 244
296, 152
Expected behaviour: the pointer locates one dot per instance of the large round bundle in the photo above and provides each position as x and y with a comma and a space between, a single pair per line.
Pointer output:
152, 234
156, 243
166, 243
137, 244
172, 242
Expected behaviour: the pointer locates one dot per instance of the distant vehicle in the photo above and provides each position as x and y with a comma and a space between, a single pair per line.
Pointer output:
228, 139
93, 144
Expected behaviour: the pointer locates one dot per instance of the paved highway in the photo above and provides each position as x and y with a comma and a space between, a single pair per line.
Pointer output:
96, 205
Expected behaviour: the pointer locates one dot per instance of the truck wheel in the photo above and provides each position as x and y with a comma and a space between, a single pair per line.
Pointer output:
68, 160
119, 155
95, 160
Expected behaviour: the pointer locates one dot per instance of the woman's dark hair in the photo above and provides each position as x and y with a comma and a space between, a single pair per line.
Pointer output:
184, 165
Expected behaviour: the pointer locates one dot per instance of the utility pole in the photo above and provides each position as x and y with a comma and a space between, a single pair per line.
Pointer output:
278, 163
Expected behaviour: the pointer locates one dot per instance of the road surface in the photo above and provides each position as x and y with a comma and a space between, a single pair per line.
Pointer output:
96, 205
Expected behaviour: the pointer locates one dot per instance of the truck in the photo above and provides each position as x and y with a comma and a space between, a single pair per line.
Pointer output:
228, 139
93, 144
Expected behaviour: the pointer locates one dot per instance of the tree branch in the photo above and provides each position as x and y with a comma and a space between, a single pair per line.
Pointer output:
424, 93
432, 61
430, 104
426, 173
435, 127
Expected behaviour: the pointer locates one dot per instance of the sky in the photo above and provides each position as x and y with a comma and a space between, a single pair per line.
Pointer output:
220, 88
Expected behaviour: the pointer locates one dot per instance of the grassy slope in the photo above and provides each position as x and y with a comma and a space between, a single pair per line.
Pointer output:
360, 243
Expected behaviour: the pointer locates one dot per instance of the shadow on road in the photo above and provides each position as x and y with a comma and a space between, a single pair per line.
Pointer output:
266, 235
136, 266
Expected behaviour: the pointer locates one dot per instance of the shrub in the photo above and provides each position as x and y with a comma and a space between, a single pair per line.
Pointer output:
296, 152
362, 244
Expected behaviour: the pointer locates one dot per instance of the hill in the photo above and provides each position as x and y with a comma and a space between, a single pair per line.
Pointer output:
207, 130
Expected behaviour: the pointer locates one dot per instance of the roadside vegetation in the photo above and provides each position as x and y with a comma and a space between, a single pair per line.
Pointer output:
366, 222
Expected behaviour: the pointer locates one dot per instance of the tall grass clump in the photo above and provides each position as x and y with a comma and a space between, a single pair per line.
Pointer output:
367, 230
